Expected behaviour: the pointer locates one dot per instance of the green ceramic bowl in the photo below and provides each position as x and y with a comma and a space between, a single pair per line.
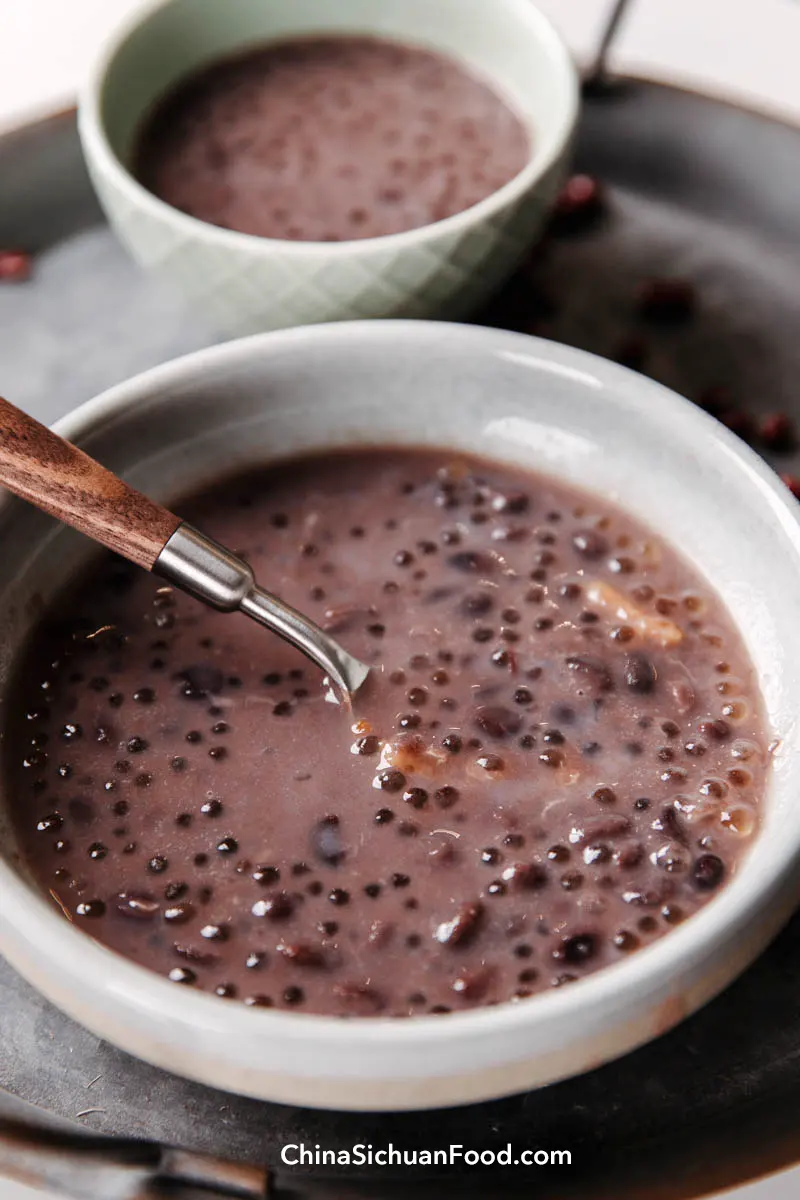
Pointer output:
247, 284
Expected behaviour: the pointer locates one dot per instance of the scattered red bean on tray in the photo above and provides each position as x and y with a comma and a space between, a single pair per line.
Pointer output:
777, 432
15, 266
580, 202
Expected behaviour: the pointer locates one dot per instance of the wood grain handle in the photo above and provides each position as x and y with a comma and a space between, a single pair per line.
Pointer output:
51, 473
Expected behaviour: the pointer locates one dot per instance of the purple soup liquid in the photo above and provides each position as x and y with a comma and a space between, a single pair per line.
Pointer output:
330, 139
560, 754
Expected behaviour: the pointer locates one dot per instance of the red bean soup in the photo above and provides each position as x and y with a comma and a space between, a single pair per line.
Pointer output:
559, 756
330, 139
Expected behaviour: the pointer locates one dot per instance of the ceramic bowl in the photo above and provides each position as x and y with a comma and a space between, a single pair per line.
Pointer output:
248, 284
520, 400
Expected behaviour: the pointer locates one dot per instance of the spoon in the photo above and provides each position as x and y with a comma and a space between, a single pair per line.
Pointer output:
60, 479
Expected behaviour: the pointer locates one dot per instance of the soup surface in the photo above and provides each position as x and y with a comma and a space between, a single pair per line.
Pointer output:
330, 139
559, 756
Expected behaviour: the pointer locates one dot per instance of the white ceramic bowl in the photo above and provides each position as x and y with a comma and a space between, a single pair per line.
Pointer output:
517, 399
248, 284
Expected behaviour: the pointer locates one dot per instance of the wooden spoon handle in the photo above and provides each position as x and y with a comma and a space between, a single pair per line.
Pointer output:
51, 473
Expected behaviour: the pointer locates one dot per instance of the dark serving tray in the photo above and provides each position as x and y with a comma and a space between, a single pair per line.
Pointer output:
698, 189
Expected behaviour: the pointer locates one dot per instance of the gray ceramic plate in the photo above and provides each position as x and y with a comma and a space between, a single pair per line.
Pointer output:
698, 189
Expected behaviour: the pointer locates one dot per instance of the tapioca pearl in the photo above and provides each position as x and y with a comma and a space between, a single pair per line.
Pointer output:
714, 787
576, 950
97, 851
212, 807
409, 721
64, 771
596, 853
625, 941
177, 764
417, 797
695, 747
182, 975
215, 933
708, 872
571, 881
665, 754
179, 913
590, 544
670, 857
729, 687
194, 736
559, 853
227, 845
739, 820
383, 816
739, 777
277, 907
552, 758
446, 796
50, 823
493, 764
200, 859
92, 909
735, 710
34, 758
62, 846
674, 775
482, 634
389, 780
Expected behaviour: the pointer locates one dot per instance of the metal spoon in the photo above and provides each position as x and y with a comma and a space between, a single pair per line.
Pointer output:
51, 473
597, 72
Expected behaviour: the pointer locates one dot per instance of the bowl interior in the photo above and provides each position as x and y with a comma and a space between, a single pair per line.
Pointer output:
508, 42
506, 396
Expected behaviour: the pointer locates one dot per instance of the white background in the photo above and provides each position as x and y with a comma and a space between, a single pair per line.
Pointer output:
745, 49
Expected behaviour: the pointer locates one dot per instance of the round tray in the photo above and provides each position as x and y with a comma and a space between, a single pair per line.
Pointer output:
697, 189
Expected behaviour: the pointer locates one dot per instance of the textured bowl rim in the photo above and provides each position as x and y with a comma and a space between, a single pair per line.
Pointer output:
547, 149
655, 964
